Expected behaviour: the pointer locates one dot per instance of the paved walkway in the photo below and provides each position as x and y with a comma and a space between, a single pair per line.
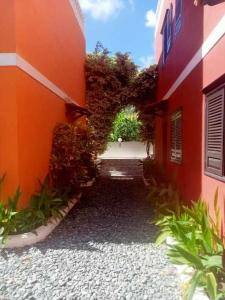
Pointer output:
124, 150
104, 249
121, 168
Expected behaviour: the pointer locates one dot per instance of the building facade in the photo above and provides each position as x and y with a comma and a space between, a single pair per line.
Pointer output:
190, 48
42, 55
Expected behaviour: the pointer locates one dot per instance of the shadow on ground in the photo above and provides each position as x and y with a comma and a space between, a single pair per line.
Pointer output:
104, 249
113, 211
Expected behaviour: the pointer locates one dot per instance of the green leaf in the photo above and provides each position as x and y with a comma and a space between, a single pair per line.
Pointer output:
40, 214
193, 260
214, 261
1, 230
162, 237
211, 286
193, 285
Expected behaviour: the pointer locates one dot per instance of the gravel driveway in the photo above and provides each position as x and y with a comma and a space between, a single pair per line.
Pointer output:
103, 250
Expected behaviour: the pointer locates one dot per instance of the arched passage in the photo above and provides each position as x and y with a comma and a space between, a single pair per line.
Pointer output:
113, 82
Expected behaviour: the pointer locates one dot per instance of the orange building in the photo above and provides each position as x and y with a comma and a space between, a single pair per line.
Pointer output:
42, 54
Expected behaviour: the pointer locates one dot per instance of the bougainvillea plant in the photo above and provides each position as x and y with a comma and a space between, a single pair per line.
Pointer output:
113, 82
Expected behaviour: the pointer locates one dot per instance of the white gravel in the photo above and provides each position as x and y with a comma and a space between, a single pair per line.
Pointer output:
103, 250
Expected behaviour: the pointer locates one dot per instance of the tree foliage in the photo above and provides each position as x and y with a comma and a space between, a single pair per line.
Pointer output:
113, 82
126, 126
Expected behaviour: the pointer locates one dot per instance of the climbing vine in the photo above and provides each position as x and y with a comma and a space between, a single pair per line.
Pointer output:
113, 82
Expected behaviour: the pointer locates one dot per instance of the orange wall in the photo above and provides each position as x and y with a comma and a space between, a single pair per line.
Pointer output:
8, 130
47, 35
38, 112
7, 26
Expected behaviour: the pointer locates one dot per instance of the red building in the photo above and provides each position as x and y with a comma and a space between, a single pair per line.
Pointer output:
190, 131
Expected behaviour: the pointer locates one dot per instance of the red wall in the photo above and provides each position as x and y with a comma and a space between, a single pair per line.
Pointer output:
185, 43
197, 24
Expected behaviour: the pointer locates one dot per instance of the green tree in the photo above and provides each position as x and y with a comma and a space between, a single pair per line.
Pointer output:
126, 126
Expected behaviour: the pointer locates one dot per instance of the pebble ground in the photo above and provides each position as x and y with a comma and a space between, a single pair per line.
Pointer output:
104, 249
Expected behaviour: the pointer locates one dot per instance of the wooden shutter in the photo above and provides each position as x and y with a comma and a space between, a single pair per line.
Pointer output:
215, 133
176, 137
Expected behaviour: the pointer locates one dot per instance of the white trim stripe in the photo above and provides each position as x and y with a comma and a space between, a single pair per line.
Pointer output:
7, 59
214, 37
78, 14
13, 59
159, 10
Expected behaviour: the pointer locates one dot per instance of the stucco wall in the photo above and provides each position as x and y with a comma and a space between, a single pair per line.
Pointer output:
197, 25
47, 36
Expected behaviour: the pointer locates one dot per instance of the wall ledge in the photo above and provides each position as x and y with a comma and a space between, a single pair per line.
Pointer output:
15, 60
41, 233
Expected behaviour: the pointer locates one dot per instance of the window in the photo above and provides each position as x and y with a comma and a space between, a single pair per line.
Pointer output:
167, 32
178, 15
214, 145
208, 2
176, 137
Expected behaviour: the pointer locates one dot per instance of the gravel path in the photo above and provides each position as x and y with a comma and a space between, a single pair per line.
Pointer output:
103, 250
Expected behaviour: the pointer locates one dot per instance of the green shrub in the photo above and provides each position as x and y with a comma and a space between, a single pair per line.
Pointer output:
8, 214
197, 245
126, 126
43, 205
72, 158
199, 242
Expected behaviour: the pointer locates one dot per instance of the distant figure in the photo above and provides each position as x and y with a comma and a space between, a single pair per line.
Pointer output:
120, 141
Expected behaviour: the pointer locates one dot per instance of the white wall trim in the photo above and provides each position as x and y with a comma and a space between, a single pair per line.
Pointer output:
7, 59
217, 33
78, 14
159, 10
13, 59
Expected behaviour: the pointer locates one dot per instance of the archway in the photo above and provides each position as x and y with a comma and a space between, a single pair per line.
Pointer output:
113, 82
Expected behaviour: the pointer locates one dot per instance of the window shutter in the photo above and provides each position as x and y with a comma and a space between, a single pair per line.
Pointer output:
176, 137
215, 133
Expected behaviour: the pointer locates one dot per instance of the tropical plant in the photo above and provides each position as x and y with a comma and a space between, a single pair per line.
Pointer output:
126, 126
8, 214
197, 245
43, 205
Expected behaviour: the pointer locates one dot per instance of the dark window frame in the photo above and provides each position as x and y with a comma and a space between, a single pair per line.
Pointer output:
167, 33
176, 158
178, 15
208, 170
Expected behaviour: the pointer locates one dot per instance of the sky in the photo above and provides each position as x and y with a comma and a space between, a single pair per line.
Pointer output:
122, 26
